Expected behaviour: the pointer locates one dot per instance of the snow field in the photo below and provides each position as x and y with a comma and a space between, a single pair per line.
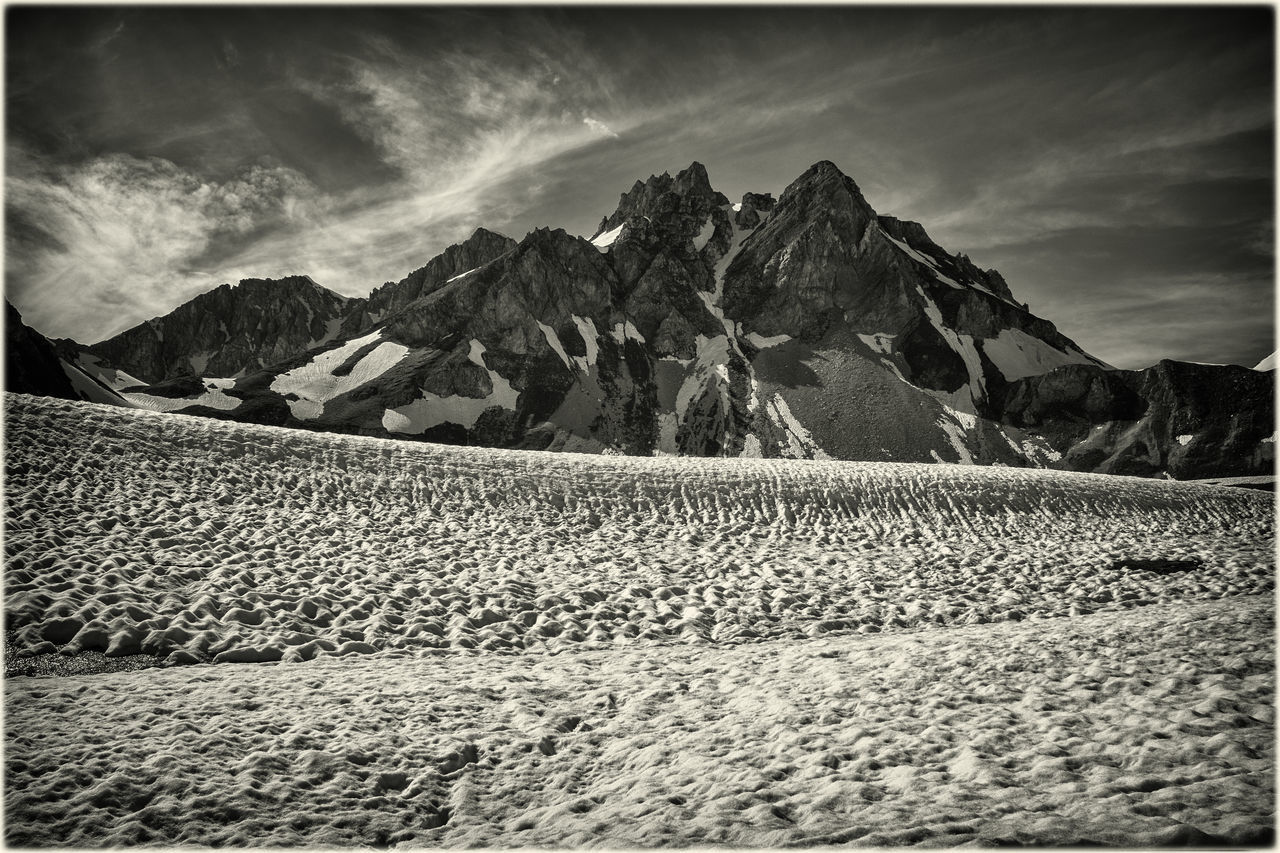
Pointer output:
130, 532
523, 649
1150, 727
315, 383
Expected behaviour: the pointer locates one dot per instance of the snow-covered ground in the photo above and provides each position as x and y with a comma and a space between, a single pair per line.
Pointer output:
473, 646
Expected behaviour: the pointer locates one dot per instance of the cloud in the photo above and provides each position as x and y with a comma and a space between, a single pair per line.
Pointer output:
116, 239
599, 126
469, 139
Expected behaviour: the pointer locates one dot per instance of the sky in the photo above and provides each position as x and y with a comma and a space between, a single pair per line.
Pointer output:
1115, 163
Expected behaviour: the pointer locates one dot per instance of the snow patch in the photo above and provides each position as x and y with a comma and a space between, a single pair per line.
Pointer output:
954, 425
881, 342
314, 382
704, 236
461, 275
1018, 355
587, 329
554, 341
751, 447
924, 259
1185, 439
199, 362
432, 410
624, 330
607, 239
213, 398
667, 426
761, 342
800, 444
1268, 363
330, 332
962, 344
109, 376
1271, 439
712, 361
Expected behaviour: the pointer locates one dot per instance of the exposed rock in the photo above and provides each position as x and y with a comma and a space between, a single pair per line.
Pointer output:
1188, 421
33, 365
229, 330
30, 365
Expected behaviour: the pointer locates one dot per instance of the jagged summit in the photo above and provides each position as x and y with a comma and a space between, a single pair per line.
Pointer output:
689, 192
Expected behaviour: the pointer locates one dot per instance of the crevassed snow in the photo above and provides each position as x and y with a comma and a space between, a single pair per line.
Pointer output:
704, 236
432, 410
315, 384
587, 329
1185, 439
607, 239
418, 548
881, 342
554, 341
761, 342
1018, 355
213, 398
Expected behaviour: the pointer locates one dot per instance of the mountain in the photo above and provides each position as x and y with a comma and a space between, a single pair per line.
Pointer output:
33, 365
807, 326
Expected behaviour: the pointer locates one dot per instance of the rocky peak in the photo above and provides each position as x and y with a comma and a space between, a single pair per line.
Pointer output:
457, 260
694, 181
676, 206
228, 330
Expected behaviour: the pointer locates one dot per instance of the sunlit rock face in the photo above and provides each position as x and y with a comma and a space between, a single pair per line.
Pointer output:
806, 326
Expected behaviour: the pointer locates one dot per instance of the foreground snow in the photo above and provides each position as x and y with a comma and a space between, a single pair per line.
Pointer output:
506, 648
1150, 728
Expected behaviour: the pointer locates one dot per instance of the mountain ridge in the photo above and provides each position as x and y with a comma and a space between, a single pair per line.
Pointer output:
806, 326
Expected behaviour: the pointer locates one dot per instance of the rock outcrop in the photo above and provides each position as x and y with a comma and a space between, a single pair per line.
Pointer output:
32, 365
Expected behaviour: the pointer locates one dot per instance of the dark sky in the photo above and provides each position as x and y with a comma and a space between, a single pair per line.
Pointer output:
1116, 164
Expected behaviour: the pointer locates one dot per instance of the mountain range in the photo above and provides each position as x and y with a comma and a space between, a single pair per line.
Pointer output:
806, 326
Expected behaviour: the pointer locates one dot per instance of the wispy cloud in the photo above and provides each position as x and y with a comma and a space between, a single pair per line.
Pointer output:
466, 136
599, 126
119, 238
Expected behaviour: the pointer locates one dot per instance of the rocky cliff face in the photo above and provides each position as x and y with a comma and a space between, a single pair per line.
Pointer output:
229, 331
33, 365
808, 326
1184, 420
